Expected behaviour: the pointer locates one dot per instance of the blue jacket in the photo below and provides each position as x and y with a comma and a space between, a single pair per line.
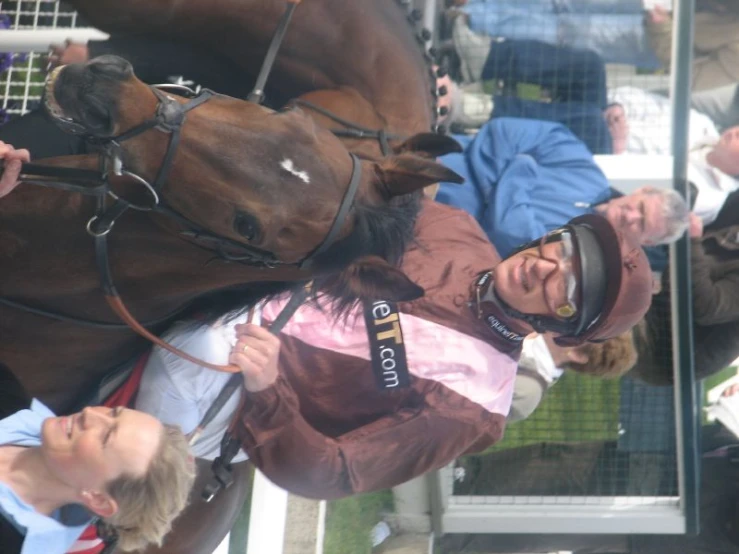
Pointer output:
523, 178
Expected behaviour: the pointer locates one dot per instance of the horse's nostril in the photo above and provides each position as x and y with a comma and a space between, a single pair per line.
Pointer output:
110, 66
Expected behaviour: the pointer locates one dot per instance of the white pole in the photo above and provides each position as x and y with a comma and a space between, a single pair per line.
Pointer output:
267, 517
223, 547
40, 40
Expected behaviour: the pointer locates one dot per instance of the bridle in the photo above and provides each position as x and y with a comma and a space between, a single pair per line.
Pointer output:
352, 130
169, 117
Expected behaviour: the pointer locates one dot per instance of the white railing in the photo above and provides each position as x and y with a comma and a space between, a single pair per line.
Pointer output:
29, 30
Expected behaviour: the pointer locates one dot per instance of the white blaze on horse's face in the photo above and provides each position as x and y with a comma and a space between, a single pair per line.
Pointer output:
288, 165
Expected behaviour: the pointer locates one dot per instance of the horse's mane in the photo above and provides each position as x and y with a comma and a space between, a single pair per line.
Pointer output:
384, 231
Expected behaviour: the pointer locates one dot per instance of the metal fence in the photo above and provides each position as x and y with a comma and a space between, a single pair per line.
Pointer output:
597, 456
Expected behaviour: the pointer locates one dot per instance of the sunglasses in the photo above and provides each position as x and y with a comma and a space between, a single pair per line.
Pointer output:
560, 287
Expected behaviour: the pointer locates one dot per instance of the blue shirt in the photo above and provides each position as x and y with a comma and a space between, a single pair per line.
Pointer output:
524, 178
50, 535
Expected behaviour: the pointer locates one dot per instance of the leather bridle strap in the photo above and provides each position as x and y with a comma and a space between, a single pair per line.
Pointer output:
235, 382
116, 304
352, 129
257, 93
346, 203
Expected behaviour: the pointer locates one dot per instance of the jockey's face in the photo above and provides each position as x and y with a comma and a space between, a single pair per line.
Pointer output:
91, 448
540, 280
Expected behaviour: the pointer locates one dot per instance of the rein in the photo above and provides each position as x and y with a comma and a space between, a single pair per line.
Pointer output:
352, 130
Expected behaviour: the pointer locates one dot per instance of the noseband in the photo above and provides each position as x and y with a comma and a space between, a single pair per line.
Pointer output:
169, 117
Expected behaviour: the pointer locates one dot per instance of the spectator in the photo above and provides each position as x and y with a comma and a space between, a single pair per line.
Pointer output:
714, 170
543, 362
613, 30
715, 45
645, 120
721, 104
715, 281
524, 177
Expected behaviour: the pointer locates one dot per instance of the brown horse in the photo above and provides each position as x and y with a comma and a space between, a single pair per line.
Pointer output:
360, 60
228, 177
247, 199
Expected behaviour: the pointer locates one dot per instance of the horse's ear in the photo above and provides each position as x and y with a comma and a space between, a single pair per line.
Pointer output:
407, 173
372, 278
429, 145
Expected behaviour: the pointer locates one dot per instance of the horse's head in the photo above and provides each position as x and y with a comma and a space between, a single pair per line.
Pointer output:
259, 179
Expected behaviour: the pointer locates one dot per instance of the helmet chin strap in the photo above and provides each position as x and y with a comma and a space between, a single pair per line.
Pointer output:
540, 323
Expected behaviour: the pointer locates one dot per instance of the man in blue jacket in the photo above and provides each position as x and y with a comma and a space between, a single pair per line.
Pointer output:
526, 177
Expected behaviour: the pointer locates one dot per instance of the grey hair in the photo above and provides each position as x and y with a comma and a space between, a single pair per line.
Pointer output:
675, 212
148, 504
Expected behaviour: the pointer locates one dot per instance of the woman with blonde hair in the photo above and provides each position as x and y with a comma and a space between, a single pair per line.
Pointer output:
118, 466
543, 362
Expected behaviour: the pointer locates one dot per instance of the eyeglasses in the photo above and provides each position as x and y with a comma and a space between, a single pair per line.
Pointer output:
560, 287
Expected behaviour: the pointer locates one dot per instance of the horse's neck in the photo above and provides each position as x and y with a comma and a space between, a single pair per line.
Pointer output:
50, 265
375, 52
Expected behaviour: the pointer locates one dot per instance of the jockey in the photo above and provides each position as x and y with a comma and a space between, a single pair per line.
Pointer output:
57, 474
338, 406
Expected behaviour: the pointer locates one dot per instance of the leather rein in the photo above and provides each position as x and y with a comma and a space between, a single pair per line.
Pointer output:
169, 117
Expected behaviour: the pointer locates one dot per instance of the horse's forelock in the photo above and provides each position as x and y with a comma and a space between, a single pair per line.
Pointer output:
384, 231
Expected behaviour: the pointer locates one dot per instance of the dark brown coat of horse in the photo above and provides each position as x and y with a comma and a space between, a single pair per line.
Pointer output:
359, 60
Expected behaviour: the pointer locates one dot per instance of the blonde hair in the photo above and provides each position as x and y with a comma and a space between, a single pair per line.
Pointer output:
608, 359
148, 504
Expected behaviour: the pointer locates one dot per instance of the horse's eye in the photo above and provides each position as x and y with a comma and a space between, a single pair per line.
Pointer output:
247, 226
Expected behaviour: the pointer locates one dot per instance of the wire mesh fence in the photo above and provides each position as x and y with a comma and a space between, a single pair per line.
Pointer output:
22, 75
596, 68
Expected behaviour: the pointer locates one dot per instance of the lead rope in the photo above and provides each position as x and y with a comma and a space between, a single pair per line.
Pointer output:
230, 445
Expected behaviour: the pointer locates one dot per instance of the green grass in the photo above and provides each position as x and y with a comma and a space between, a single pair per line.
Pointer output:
35, 77
711, 382
578, 408
714, 380
350, 520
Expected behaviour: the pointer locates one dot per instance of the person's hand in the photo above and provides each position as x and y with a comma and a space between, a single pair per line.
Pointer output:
731, 390
13, 159
658, 15
656, 282
618, 126
695, 229
69, 52
257, 352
